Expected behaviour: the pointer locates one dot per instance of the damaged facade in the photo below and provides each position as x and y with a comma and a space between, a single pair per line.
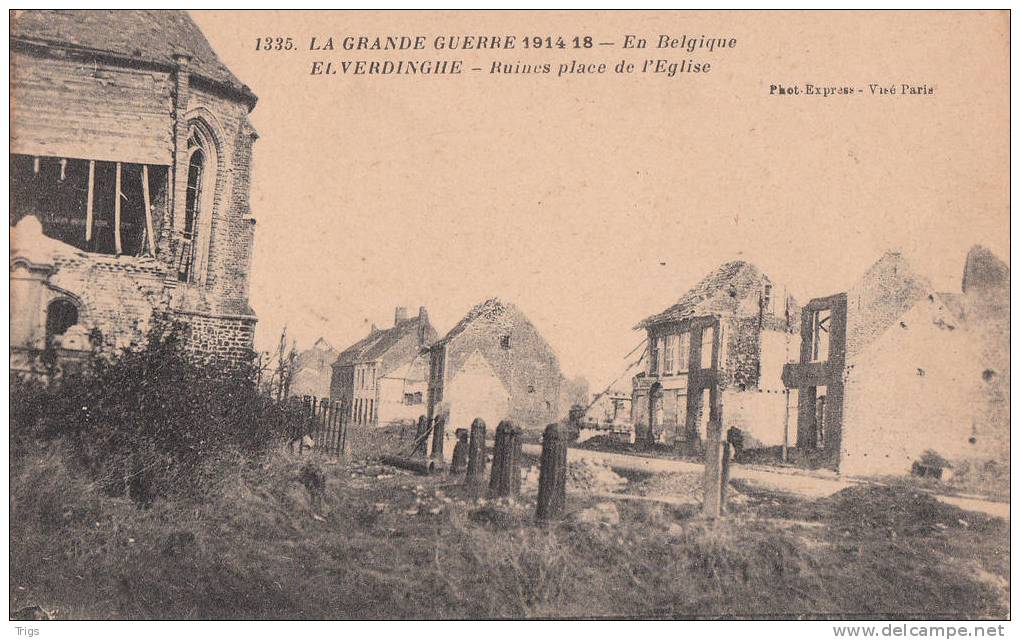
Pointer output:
892, 368
610, 408
494, 365
723, 344
129, 188
382, 378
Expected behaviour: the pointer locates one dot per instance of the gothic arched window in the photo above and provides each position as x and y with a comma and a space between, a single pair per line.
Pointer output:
193, 202
194, 255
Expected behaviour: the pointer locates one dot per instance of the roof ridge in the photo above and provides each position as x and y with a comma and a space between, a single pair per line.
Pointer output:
473, 314
703, 290
148, 35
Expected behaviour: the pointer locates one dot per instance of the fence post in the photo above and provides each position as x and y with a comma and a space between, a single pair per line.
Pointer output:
725, 481
476, 455
326, 425
318, 435
304, 426
343, 425
552, 476
505, 481
713, 464
419, 437
337, 426
460, 452
439, 434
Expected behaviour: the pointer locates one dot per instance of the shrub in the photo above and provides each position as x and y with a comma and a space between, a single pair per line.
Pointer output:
154, 421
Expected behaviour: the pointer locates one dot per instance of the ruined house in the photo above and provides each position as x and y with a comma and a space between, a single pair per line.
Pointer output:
130, 161
382, 378
891, 369
494, 365
312, 373
610, 408
722, 345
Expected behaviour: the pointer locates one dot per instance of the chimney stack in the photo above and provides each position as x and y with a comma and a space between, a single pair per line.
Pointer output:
423, 323
399, 315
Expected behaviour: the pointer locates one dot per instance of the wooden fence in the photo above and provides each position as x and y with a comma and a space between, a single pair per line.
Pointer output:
329, 425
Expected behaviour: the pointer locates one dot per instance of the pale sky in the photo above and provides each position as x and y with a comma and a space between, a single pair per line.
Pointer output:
593, 201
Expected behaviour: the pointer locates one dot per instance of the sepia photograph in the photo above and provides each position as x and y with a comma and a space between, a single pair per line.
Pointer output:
510, 315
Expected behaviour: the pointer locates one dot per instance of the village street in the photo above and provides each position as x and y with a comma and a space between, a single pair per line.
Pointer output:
810, 485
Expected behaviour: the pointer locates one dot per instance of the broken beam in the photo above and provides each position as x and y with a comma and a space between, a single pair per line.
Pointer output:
419, 466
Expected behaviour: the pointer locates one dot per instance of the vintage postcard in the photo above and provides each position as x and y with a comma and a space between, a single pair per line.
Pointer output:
510, 315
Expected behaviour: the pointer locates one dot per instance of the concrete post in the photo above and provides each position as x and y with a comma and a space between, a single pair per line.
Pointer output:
460, 452
476, 455
505, 480
420, 437
438, 434
724, 483
552, 478
713, 465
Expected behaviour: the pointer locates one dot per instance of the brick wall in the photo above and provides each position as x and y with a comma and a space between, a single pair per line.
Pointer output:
232, 231
222, 337
739, 368
117, 295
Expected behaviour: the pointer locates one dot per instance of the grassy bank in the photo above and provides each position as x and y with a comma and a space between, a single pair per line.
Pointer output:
294, 538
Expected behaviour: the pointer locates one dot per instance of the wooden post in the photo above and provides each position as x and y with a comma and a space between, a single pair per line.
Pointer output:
309, 403
476, 455
116, 213
338, 425
344, 423
438, 434
552, 478
322, 425
505, 480
421, 437
713, 464
91, 197
150, 234
460, 452
332, 433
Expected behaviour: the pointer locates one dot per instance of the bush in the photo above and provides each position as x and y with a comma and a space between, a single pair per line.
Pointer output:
154, 421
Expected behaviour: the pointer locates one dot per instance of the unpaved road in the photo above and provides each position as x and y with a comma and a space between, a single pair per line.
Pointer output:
807, 485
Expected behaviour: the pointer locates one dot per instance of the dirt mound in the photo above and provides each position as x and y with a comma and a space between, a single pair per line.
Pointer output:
582, 475
605, 443
899, 510
680, 485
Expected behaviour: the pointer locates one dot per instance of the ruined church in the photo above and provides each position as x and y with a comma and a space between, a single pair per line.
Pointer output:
129, 191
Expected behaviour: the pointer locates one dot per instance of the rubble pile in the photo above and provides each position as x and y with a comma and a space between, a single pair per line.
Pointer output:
372, 469
582, 475
593, 475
